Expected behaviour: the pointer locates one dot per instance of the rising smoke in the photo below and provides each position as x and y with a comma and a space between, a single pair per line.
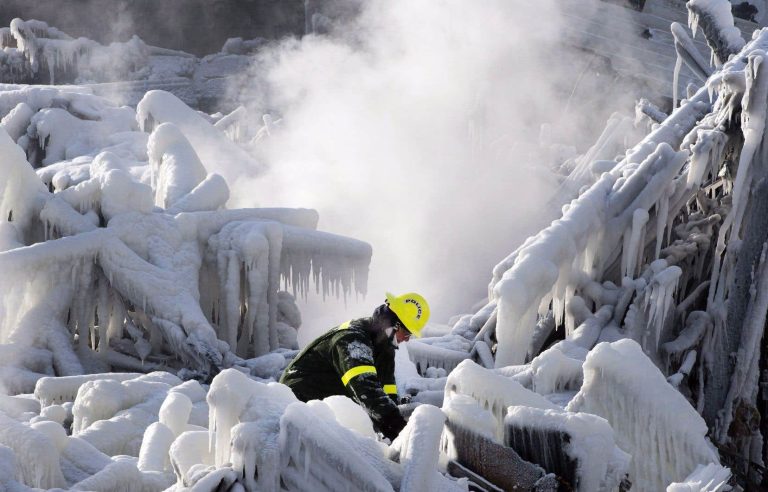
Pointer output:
416, 128
415, 125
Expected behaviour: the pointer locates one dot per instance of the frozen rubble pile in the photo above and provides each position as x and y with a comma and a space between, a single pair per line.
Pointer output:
32, 52
131, 432
619, 347
664, 246
118, 253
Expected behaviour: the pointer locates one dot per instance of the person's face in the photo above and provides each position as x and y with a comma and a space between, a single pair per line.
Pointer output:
401, 334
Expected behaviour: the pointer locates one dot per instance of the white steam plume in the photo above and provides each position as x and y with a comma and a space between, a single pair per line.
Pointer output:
412, 129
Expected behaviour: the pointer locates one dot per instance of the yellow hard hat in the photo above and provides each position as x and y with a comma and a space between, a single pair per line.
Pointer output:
412, 309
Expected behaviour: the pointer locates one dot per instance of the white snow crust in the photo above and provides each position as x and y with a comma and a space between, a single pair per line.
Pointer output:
118, 253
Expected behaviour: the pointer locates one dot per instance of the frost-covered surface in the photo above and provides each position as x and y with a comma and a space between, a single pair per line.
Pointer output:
653, 422
663, 246
122, 242
632, 324
715, 16
600, 463
710, 478
32, 52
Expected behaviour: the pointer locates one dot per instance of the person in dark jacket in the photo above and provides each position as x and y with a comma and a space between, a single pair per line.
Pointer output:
357, 359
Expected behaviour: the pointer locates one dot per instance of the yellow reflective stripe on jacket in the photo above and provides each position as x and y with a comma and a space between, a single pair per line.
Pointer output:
390, 389
345, 325
356, 371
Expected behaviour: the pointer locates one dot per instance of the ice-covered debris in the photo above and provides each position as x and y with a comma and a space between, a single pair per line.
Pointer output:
706, 156
38, 456
19, 188
37, 97
251, 251
188, 450
658, 302
240, 46
646, 109
330, 457
584, 170
244, 424
216, 152
120, 476
469, 441
33, 52
15, 123
113, 416
651, 420
697, 323
640, 272
155, 444
120, 194
465, 411
267, 366
175, 411
351, 415
338, 265
176, 169
262, 252
553, 370
57, 390
705, 478
8, 469
589, 442
418, 452
223, 79
426, 355
494, 392
716, 20
211, 194
237, 125
544, 266
9, 237
54, 53
59, 135
111, 189
688, 52
229, 393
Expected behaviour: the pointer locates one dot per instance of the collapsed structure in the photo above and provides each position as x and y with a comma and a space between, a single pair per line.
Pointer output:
601, 361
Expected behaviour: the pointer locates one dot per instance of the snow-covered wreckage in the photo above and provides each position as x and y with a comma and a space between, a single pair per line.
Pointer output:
144, 324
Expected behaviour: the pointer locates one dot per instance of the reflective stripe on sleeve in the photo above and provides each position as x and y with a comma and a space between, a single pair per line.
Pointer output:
390, 389
345, 325
356, 371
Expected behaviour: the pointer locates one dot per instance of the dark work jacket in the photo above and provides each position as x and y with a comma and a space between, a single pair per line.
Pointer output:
347, 361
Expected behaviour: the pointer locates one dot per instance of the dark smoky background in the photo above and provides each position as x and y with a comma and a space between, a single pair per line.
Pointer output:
199, 27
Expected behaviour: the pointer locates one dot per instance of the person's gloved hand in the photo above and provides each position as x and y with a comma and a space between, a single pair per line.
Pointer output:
392, 426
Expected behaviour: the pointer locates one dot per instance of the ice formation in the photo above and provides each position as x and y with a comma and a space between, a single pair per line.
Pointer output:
621, 344
128, 295
664, 246
652, 420
710, 478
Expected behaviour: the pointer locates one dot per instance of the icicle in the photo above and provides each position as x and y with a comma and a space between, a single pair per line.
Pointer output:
662, 216
675, 80
660, 300
632, 244
693, 22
